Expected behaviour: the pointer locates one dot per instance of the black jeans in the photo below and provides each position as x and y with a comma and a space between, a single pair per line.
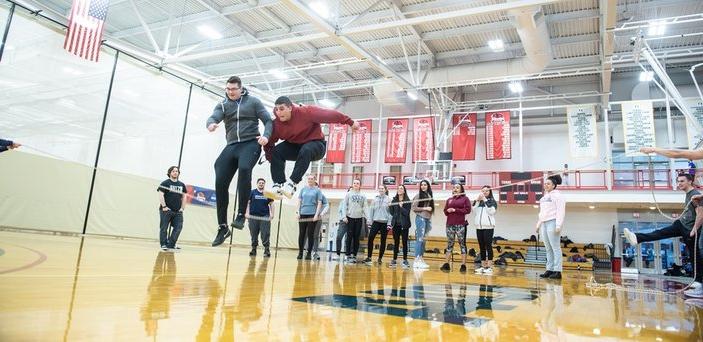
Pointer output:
485, 243
377, 227
341, 232
307, 230
240, 156
303, 154
399, 232
353, 235
173, 219
676, 229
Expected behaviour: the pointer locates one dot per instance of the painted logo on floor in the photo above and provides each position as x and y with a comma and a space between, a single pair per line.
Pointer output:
447, 303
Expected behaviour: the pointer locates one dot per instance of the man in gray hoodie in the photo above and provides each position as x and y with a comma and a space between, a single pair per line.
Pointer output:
241, 113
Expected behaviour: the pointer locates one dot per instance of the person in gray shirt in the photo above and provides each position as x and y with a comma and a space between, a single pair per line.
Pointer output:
241, 113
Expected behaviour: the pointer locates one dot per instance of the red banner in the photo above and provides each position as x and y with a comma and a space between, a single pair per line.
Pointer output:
497, 135
337, 143
396, 140
361, 142
423, 139
464, 136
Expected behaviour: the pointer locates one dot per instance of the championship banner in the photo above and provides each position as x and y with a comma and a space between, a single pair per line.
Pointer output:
583, 132
694, 135
423, 138
638, 126
396, 140
337, 143
498, 135
464, 136
361, 142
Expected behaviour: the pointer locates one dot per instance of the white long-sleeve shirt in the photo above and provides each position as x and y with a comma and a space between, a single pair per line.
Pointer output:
552, 206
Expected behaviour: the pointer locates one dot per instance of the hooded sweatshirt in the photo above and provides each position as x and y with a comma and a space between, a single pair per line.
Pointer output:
303, 126
241, 118
355, 204
552, 206
379, 210
485, 214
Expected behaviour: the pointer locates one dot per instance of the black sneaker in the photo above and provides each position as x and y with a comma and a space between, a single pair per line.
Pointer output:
555, 275
300, 256
222, 234
164, 248
253, 252
267, 253
238, 221
546, 274
368, 262
308, 256
445, 267
462, 269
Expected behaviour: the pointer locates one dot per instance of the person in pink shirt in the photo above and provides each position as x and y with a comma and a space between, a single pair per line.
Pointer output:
552, 209
456, 209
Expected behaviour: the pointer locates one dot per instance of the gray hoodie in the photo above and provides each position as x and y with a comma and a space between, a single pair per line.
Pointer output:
241, 118
378, 212
355, 204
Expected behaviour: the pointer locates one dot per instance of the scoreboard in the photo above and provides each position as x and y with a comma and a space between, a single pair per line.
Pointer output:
527, 187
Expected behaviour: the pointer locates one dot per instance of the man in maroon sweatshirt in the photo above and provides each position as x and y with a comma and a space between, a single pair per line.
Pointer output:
299, 128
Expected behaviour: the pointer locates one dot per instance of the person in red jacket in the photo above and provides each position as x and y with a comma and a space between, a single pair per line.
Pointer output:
299, 128
456, 209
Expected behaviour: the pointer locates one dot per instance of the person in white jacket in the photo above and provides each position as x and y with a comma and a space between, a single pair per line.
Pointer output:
485, 207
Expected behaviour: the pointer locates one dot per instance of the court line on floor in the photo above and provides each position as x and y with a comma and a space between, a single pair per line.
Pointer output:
41, 259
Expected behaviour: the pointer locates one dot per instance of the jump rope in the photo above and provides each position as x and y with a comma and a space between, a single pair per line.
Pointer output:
591, 284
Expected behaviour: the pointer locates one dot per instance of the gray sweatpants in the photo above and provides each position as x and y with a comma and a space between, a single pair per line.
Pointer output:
256, 227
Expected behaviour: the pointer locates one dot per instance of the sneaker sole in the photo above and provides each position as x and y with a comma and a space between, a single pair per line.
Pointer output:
272, 195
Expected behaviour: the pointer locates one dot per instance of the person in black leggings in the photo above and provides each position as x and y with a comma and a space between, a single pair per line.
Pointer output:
400, 212
485, 207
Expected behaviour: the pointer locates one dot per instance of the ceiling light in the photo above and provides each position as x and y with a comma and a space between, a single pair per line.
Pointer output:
646, 76
327, 103
591, 207
657, 28
535, 206
209, 32
320, 7
381, 60
496, 45
515, 87
279, 74
652, 208
412, 95
71, 71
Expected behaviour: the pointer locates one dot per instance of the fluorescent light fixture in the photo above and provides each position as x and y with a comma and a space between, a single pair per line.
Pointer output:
320, 7
646, 76
71, 71
327, 103
652, 208
279, 74
496, 45
591, 207
209, 32
657, 28
412, 95
515, 87
381, 60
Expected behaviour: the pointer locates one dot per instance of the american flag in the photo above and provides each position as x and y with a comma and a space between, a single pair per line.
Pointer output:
85, 28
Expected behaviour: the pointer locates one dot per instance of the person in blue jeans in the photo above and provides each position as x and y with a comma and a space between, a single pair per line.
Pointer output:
309, 208
423, 206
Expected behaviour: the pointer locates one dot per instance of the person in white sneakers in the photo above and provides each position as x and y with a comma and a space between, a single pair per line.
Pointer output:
423, 206
686, 227
303, 141
552, 209
485, 207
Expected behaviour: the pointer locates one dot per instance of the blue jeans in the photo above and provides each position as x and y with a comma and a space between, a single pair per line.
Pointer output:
422, 228
552, 243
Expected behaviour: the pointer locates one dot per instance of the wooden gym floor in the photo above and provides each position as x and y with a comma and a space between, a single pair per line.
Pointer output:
55, 288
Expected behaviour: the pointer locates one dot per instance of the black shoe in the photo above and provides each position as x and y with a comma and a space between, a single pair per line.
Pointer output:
238, 221
462, 269
308, 256
267, 253
222, 234
445, 267
546, 274
253, 252
555, 275
300, 255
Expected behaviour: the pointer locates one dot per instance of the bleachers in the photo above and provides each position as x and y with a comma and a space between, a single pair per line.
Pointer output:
533, 253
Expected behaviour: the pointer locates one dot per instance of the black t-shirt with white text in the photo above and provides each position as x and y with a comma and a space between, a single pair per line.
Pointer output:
173, 193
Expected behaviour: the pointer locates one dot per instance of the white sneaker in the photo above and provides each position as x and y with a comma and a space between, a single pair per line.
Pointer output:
695, 293
488, 271
288, 190
695, 285
424, 265
479, 270
630, 236
275, 192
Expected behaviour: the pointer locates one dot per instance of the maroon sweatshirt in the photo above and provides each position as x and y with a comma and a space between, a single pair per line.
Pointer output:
303, 126
463, 207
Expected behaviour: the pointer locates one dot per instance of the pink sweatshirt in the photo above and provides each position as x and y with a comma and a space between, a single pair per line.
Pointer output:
552, 206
